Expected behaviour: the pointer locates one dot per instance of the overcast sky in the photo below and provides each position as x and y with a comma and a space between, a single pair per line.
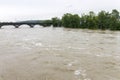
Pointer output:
15, 10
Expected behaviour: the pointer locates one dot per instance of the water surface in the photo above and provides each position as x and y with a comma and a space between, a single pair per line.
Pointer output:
58, 54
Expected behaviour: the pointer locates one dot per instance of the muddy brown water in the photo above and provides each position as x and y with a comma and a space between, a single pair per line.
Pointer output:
59, 54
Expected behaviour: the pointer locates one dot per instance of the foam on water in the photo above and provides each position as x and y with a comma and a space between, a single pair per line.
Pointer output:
77, 48
38, 44
81, 74
77, 72
72, 63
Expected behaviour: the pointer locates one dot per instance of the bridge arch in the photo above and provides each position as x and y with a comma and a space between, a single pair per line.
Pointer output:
28, 25
7, 26
18, 24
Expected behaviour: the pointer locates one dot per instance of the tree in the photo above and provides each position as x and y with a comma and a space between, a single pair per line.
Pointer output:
114, 20
104, 19
89, 21
71, 21
56, 22
115, 14
47, 23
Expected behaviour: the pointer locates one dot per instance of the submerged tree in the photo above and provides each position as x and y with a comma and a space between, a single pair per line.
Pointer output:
56, 22
46, 23
103, 20
71, 21
115, 23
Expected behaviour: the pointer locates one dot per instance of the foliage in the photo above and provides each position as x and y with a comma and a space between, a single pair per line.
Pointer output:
56, 22
47, 22
71, 21
103, 20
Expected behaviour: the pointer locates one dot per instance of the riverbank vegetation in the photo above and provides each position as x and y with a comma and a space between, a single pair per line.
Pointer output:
103, 20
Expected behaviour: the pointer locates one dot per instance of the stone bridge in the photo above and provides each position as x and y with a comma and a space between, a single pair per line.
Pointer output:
17, 24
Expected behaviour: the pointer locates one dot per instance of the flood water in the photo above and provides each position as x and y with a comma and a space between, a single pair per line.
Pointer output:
59, 54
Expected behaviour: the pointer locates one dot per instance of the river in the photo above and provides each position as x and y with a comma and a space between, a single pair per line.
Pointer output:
47, 53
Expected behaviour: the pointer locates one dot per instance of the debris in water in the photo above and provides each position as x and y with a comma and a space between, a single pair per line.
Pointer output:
77, 72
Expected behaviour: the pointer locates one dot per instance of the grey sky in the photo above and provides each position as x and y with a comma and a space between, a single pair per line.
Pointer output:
11, 10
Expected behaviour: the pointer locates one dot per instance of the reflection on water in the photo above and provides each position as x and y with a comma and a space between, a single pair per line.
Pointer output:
59, 54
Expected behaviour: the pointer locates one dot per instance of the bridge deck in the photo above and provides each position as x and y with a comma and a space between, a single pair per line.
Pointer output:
17, 24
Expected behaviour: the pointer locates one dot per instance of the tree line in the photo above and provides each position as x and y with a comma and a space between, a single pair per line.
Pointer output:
103, 20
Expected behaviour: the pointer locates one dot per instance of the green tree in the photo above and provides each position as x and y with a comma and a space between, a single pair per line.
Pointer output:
115, 14
56, 22
71, 21
46, 23
104, 19
114, 20
89, 21
92, 20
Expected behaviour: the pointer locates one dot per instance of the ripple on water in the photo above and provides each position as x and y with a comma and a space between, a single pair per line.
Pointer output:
77, 72
80, 74
103, 55
76, 48
38, 44
72, 63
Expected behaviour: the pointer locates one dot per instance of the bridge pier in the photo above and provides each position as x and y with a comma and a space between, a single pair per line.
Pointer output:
1, 26
16, 26
31, 26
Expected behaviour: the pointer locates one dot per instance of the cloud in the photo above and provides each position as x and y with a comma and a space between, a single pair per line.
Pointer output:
16, 9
